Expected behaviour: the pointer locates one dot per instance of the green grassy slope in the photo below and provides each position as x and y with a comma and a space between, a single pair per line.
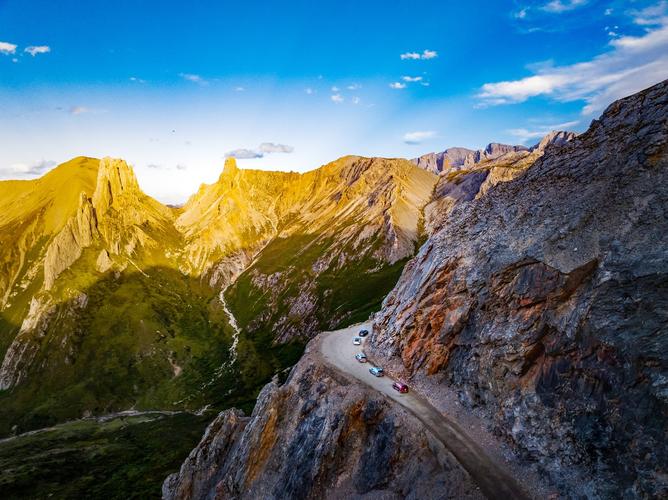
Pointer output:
127, 457
344, 294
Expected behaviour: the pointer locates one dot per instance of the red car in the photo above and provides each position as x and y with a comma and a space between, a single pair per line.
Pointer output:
402, 388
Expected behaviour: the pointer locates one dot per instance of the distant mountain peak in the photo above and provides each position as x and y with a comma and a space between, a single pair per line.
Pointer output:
457, 158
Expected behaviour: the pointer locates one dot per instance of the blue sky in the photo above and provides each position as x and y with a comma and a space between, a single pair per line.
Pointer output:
174, 87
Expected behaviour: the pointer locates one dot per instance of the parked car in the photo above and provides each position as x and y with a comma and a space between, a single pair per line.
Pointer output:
401, 387
357, 341
376, 371
361, 357
363, 333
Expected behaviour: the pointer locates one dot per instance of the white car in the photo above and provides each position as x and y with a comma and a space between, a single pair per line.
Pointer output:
357, 341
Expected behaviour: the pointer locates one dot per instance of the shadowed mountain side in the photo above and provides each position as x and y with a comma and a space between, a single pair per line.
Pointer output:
145, 340
123, 457
306, 283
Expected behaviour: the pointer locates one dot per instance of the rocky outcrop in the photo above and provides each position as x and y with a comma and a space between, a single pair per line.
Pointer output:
319, 436
491, 152
22, 350
543, 304
129, 221
444, 161
67, 245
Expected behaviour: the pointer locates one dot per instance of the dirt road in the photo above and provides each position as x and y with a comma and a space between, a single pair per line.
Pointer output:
338, 350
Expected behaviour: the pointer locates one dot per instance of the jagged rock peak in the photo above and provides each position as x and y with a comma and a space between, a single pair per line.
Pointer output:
557, 137
115, 178
495, 149
439, 162
230, 166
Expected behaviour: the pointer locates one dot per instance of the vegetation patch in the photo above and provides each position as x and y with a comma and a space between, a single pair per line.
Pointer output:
126, 457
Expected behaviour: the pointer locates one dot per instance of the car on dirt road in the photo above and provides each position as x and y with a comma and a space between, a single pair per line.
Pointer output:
357, 341
363, 333
361, 357
376, 371
400, 386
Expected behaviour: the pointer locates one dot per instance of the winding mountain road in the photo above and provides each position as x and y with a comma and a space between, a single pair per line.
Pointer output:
338, 350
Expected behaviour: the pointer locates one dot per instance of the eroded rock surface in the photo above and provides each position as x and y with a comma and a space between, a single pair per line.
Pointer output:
543, 303
319, 436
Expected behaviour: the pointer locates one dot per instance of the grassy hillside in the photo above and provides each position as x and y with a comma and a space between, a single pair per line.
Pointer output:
266, 296
125, 457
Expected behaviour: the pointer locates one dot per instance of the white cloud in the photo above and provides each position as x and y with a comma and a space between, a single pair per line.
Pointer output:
397, 85
244, 154
520, 14
7, 48
426, 54
652, 15
632, 64
270, 147
418, 137
33, 50
335, 89
239, 89
262, 149
607, 12
27, 169
356, 100
193, 78
137, 80
354, 86
181, 166
425, 84
309, 91
411, 78
337, 98
559, 6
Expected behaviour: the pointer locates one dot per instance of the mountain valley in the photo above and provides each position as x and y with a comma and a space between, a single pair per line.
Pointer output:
523, 286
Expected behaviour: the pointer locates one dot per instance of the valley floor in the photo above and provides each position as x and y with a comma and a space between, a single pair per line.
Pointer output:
494, 478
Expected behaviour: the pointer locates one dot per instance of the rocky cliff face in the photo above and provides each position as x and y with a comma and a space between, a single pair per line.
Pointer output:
543, 303
319, 436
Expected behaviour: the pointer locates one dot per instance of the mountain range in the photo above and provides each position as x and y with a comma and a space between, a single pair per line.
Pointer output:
525, 285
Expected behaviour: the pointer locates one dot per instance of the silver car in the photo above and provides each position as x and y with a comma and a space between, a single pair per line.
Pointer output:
361, 357
357, 341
